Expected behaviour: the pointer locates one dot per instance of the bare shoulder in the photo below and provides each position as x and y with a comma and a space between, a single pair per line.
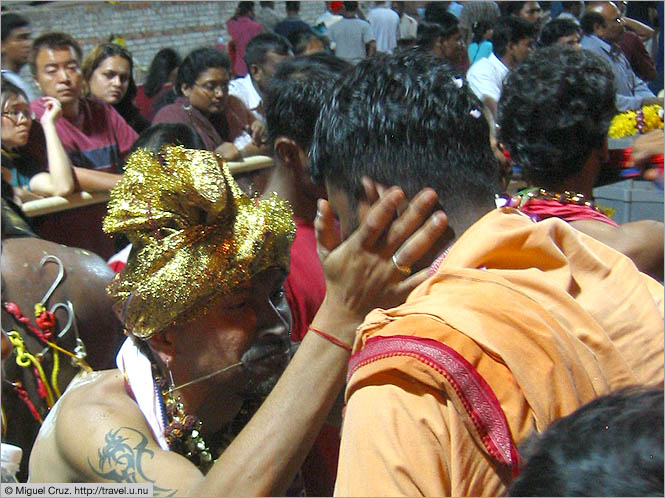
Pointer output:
96, 433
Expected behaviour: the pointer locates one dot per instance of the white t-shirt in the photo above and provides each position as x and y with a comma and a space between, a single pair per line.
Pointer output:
485, 77
243, 88
350, 36
385, 26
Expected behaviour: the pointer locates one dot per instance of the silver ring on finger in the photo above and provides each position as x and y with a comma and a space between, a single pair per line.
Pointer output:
403, 269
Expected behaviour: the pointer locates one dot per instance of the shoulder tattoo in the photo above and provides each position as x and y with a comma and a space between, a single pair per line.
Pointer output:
120, 459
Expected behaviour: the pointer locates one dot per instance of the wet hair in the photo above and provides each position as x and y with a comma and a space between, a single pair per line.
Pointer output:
404, 120
10, 22
53, 41
557, 28
427, 34
590, 20
161, 134
163, 63
296, 93
99, 54
510, 29
612, 446
555, 108
196, 62
258, 47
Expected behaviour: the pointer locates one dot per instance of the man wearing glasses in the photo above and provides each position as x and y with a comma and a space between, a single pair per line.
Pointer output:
603, 27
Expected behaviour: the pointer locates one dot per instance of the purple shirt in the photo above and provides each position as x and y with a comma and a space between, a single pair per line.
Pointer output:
241, 30
98, 138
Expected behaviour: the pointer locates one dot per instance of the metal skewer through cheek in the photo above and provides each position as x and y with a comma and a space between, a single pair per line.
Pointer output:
229, 367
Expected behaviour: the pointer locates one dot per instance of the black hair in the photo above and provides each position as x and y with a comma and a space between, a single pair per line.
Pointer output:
511, 8
555, 108
612, 446
350, 6
164, 61
556, 28
427, 34
510, 29
479, 29
404, 120
300, 40
53, 41
196, 62
159, 135
11, 21
258, 47
448, 22
590, 20
296, 94
8, 88
292, 6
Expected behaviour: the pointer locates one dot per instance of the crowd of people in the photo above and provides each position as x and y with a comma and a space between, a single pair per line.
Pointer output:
389, 315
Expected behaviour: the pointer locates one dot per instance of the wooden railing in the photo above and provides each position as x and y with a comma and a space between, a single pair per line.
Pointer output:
76, 220
49, 205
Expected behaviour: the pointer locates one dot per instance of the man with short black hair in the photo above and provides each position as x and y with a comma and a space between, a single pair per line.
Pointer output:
262, 55
561, 30
512, 42
443, 39
603, 26
519, 323
296, 94
292, 24
572, 457
94, 135
16, 50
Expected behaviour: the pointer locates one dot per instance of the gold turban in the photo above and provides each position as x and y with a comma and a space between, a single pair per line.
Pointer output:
195, 235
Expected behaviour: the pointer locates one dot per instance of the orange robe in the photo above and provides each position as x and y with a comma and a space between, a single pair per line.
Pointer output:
522, 323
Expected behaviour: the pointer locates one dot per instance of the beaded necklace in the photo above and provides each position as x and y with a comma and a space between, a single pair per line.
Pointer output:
565, 197
183, 432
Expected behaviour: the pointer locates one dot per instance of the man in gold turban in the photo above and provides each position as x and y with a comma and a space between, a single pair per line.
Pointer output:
202, 303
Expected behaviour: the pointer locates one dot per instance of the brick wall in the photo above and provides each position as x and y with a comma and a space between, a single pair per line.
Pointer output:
146, 26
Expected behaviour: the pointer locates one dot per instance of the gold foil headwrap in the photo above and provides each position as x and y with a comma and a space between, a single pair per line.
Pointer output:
195, 235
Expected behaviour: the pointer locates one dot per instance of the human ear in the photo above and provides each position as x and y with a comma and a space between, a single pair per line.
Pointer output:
287, 152
163, 345
186, 90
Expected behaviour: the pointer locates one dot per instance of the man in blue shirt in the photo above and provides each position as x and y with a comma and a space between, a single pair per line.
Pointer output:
603, 27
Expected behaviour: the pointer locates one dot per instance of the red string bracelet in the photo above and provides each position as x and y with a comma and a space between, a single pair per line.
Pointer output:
330, 338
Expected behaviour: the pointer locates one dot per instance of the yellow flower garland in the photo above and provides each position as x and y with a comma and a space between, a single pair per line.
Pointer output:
629, 123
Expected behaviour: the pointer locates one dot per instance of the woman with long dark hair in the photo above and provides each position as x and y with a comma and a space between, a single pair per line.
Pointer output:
107, 71
160, 79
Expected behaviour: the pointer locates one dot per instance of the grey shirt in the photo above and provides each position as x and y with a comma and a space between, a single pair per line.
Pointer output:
631, 90
350, 36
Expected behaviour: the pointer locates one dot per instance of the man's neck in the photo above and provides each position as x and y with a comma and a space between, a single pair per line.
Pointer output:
283, 182
72, 109
348, 15
507, 61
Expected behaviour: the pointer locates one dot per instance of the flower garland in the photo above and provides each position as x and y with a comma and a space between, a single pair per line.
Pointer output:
629, 123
